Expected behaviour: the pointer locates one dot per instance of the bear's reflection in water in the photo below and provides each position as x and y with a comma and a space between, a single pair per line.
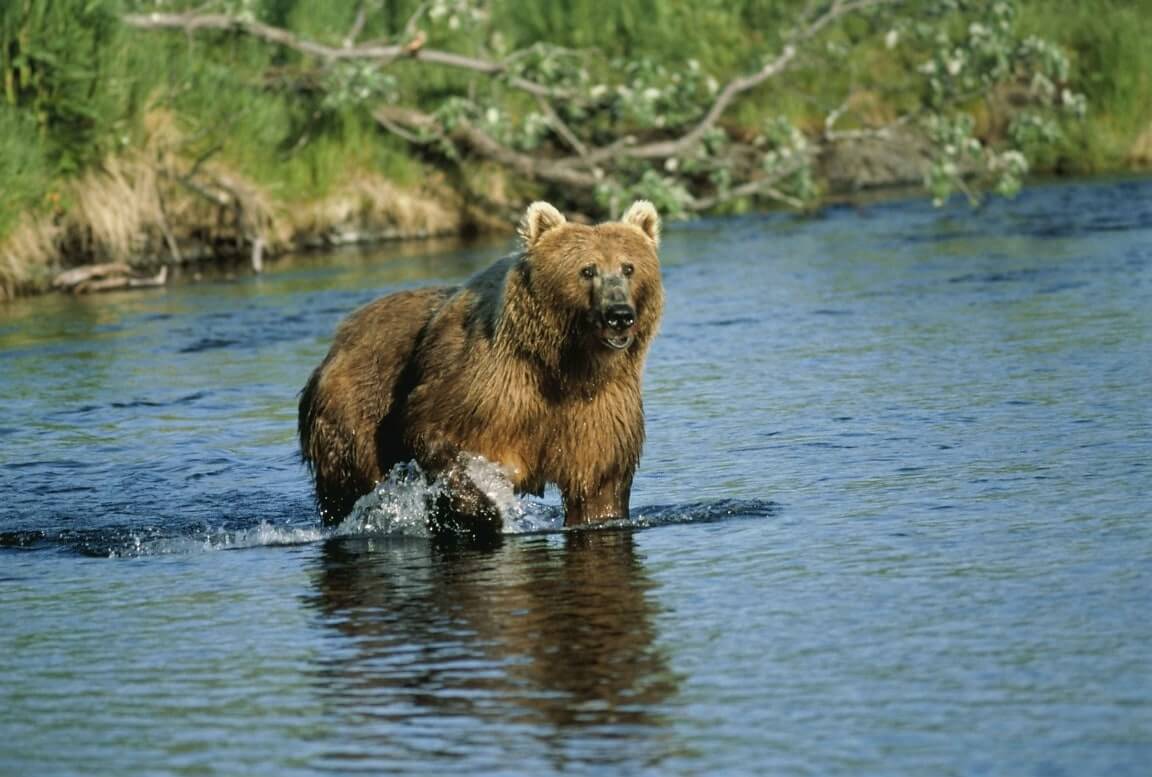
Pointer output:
541, 646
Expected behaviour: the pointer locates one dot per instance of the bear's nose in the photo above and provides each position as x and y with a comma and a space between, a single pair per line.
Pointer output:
620, 317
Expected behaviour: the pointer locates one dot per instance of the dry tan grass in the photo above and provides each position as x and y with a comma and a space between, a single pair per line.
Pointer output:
135, 209
368, 206
113, 209
27, 256
142, 208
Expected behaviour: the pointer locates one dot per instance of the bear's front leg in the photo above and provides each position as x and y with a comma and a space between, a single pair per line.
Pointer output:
462, 507
608, 501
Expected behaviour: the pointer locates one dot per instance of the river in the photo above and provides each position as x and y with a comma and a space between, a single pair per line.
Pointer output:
894, 517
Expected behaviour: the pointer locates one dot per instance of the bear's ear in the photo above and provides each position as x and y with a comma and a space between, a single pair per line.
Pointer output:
643, 214
538, 219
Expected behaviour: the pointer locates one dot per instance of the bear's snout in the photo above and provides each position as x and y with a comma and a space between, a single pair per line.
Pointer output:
620, 317
616, 302
617, 316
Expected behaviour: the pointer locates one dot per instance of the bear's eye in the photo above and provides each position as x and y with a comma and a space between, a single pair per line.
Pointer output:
627, 269
589, 271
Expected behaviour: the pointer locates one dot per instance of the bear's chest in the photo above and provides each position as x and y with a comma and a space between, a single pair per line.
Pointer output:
539, 431
556, 440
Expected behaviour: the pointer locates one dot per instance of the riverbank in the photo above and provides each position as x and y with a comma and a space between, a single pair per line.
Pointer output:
133, 217
123, 233
154, 207
148, 148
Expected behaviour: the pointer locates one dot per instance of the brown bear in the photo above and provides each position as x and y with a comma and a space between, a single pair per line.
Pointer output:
534, 363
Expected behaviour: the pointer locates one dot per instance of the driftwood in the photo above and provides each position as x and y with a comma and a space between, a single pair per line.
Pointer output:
107, 277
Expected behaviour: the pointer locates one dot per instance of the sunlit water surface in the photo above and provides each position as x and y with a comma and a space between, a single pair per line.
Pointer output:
893, 518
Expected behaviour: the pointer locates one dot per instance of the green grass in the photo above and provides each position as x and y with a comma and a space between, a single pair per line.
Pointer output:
25, 172
1108, 42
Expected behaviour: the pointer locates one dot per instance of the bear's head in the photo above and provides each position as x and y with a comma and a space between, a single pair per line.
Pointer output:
602, 283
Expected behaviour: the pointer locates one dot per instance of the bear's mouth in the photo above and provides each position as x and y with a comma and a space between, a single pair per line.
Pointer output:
617, 342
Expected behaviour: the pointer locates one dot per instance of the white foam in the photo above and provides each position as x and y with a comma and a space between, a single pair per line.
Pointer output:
265, 534
519, 516
399, 503
398, 506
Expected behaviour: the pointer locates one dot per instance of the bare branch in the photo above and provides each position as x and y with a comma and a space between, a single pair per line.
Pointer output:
764, 186
107, 277
166, 226
484, 145
384, 54
834, 115
192, 22
199, 161
562, 129
385, 121
742, 84
220, 200
410, 28
885, 131
357, 25
489, 68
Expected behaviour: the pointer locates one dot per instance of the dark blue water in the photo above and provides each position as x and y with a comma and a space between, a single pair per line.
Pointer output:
894, 517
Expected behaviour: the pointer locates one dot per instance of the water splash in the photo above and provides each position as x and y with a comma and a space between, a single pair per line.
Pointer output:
400, 503
264, 534
520, 515
397, 507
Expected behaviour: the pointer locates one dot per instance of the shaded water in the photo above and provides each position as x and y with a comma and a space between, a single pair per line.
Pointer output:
893, 518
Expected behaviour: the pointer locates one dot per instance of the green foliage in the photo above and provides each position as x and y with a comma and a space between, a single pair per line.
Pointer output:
652, 94
667, 193
974, 51
348, 84
628, 27
52, 59
927, 62
24, 171
1111, 59
725, 37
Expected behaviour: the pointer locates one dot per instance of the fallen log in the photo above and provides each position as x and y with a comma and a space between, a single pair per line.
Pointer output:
109, 276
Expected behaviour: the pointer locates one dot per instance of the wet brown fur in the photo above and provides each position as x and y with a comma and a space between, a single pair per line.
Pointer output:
509, 366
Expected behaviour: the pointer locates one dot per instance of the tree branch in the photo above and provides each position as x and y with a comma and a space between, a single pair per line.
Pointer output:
191, 22
741, 84
357, 25
562, 129
404, 120
586, 168
764, 186
884, 131
385, 54
486, 146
